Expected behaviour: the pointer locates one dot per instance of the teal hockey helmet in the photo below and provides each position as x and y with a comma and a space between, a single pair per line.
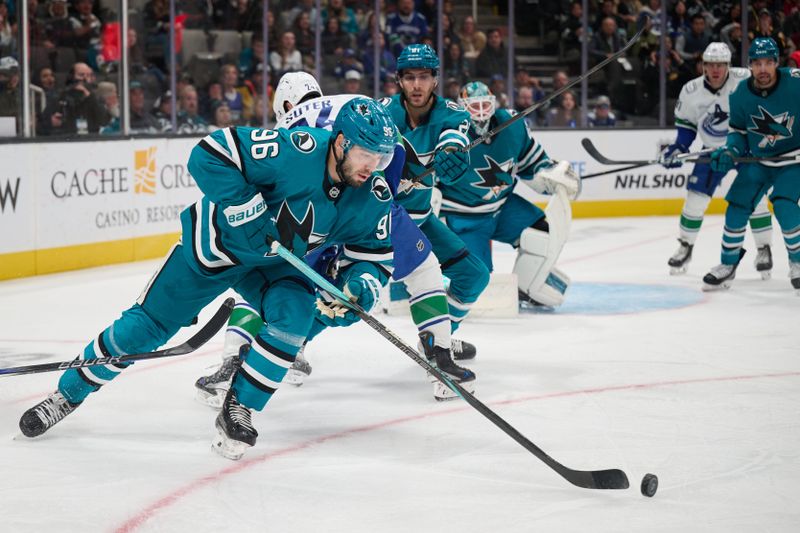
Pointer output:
366, 124
418, 56
763, 47
476, 97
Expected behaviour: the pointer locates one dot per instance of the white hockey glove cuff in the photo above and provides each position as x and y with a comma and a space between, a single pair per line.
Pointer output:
559, 175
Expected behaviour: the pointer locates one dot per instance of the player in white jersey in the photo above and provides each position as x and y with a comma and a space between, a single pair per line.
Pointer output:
299, 101
702, 109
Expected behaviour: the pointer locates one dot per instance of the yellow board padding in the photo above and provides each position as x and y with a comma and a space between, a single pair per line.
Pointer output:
636, 208
50, 260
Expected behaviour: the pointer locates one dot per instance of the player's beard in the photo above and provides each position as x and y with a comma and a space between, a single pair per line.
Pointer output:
768, 81
349, 174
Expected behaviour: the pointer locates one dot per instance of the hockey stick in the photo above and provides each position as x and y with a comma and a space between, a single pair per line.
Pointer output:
205, 334
597, 174
522, 114
692, 157
591, 479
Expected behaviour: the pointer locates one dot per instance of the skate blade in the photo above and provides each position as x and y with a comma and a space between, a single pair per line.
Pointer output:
725, 285
443, 393
211, 399
678, 271
294, 378
766, 274
229, 448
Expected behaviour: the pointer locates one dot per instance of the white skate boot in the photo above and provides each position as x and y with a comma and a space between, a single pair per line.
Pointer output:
763, 262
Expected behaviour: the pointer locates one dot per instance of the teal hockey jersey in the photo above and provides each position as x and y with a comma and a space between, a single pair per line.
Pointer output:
495, 166
446, 124
767, 122
248, 173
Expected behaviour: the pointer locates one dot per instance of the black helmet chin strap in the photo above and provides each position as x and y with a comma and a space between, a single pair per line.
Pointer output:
340, 165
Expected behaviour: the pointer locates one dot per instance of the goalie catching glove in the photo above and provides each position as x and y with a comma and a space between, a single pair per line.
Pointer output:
363, 290
555, 174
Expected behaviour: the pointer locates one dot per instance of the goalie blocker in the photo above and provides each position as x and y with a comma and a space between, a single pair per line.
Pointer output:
539, 280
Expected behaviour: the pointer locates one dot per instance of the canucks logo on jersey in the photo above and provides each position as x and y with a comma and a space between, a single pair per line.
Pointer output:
715, 123
771, 128
495, 177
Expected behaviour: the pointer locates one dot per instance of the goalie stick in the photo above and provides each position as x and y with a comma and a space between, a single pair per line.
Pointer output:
522, 114
205, 334
588, 479
592, 150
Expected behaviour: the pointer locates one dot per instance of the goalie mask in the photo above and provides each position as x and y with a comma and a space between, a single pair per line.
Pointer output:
481, 104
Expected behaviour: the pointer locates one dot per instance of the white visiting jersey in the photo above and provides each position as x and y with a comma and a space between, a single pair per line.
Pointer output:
701, 109
318, 112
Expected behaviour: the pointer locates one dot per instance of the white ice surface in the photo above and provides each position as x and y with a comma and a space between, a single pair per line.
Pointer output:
705, 396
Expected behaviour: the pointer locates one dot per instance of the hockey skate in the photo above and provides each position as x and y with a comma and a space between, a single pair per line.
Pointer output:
299, 370
763, 262
211, 389
679, 262
794, 275
235, 431
462, 350
45, 414
721, 276
442, 360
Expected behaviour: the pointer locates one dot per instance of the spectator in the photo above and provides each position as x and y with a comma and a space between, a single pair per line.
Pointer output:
253, 55
58, 27
406, 26
286, 58
522, 78
77, 109
494, 58
107, 94
288, 17
222, 115
37, 30
472, 40
9, 88
572, 33
523, 101
346, 16
652, 12
238, 99
189, 120
602, 116
455, 65
347, 63
609, 9
142, 121
238, 15
628, 11
255, 85
765, 28
156, 43
213, 93
566, 114
8, 38
388, 66
162, 111
334, 39
389, 88
560, 79
449, 35
678, 22
604, 44
352, 82
497, 84
794, 60
734, 14
85, 25
678, 73
452, 88
305, 38
46, 79
690, 46
732, 36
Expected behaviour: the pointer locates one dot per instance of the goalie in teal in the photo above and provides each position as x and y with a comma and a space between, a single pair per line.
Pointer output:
764, 123
435, 133
480, 207
334, 194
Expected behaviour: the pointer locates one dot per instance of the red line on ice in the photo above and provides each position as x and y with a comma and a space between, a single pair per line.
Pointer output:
147, 512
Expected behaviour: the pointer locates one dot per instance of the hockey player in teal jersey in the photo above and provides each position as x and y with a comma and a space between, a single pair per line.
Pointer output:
435, 132
764, 123
480, 207
335, 194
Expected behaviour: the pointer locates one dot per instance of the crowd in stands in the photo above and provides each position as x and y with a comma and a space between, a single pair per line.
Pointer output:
75, 55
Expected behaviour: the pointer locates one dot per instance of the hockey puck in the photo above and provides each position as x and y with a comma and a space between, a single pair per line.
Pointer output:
649, 485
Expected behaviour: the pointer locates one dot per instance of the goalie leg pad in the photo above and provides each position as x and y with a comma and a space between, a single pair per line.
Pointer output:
536, 274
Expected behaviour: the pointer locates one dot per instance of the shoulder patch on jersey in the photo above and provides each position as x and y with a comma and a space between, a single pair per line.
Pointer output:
381, 189
385, 101
795, 72
691, 87
303, 141
452, 105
